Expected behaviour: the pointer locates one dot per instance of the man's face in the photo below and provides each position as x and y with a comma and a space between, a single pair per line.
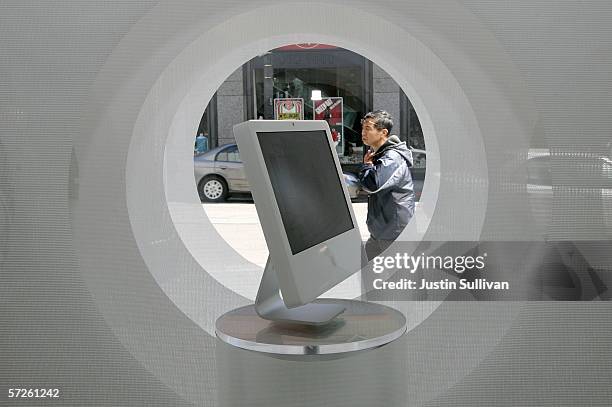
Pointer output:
370, 135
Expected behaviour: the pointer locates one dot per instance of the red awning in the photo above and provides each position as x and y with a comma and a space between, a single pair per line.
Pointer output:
305, 47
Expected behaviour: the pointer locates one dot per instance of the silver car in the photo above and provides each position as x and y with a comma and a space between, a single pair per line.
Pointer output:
219, 173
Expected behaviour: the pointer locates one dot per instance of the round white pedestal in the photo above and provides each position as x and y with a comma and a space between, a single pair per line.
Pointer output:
361, 326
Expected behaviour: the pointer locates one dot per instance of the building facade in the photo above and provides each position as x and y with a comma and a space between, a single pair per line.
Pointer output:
295, 71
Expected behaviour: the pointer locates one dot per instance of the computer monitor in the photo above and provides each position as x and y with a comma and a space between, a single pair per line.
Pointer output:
305, 213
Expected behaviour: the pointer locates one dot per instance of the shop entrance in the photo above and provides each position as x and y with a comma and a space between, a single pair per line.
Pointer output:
338, 79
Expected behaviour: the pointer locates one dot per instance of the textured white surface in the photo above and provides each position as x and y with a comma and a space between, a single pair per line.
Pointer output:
80, 307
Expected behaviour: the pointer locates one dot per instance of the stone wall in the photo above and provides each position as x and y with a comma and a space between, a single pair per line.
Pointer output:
386, 95
230, 106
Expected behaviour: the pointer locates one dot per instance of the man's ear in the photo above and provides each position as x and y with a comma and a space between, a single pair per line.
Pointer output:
385, 132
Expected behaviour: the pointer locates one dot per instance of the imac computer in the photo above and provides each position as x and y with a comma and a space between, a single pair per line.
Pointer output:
305, 213
314, 243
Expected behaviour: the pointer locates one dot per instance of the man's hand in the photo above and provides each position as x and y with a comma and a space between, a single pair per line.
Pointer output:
367, 159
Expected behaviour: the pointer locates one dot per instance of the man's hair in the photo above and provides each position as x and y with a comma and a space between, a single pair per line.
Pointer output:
381, 118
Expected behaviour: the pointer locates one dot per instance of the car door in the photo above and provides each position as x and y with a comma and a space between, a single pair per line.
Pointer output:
229, 165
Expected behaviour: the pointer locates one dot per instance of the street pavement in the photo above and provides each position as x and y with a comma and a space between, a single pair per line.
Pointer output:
238, 224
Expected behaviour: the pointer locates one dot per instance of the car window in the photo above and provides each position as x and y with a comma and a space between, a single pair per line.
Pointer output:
230, 154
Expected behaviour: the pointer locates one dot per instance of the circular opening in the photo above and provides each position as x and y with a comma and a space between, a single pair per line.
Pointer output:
249, 253
298, 82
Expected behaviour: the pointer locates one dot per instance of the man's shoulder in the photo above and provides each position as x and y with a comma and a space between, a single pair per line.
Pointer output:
398, 153
392, 154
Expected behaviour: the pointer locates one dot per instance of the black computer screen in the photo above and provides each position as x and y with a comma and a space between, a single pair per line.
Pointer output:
306, 186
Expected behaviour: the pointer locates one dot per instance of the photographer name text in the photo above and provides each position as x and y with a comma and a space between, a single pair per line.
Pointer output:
453, 264
445, 284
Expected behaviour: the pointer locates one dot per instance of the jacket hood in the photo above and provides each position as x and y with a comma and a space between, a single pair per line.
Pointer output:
394, 143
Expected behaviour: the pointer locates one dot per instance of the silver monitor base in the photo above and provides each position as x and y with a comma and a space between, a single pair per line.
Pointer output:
361, 326
270, 305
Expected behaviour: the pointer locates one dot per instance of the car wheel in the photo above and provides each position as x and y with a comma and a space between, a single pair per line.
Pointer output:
213, 189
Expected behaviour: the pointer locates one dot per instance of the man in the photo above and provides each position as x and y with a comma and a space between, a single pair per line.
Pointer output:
386, 177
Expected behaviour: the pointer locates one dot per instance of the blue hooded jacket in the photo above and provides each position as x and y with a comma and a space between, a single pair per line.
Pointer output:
391, 194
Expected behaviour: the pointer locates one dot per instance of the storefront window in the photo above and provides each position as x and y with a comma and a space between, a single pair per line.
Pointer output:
336, 72
280, 83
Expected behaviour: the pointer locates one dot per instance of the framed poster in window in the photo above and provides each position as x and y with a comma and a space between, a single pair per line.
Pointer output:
330, 110
288, 109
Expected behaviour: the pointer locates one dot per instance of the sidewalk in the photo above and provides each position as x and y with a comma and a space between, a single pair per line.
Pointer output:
238, 224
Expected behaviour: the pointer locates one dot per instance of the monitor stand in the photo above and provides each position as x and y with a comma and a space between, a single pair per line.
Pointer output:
270, 305
325, 326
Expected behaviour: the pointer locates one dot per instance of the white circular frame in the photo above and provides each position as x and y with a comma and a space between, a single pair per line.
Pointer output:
138, 213
188, 84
